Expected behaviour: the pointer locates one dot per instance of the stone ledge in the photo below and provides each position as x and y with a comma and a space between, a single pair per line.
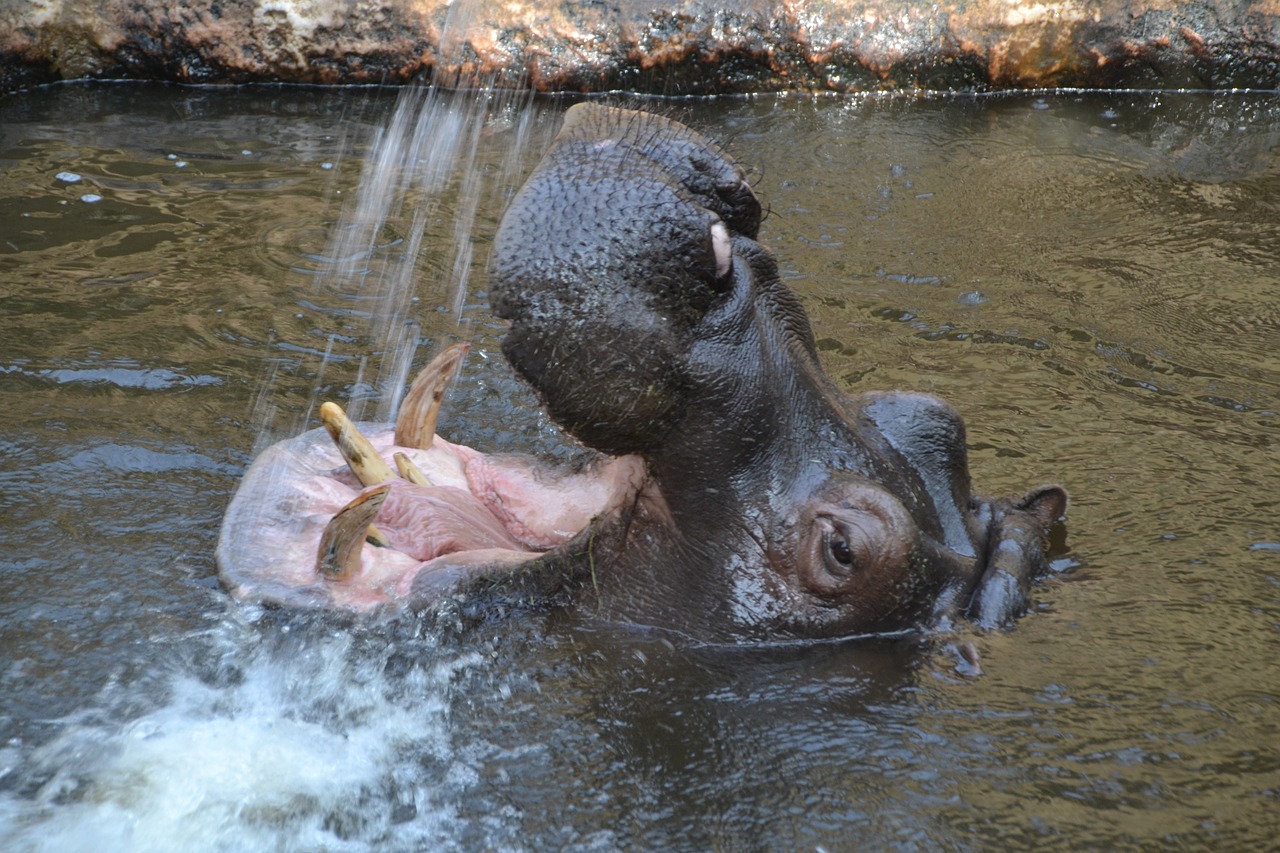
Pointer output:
678, 47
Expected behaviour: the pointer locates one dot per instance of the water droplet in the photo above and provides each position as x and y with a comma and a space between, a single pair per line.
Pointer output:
973, 297
90, 198
326, 166
68, 177
180, 164
1039, 104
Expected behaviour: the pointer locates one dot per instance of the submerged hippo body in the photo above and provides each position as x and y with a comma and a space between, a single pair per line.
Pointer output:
739, 495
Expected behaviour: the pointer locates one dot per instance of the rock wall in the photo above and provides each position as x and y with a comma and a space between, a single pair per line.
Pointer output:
674, 47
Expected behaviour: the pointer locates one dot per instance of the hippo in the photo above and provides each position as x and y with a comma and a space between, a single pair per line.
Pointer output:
734, 494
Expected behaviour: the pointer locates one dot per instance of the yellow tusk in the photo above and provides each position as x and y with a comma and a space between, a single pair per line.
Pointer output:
416, 422
410, 471
376, 537
365, 462
339, 555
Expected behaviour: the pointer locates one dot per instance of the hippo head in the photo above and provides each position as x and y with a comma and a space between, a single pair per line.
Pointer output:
738, 495
652, 323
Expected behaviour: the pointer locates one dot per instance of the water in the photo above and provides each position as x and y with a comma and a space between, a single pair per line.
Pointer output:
1091, 279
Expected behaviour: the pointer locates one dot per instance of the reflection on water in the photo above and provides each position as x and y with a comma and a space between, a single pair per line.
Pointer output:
1090, 279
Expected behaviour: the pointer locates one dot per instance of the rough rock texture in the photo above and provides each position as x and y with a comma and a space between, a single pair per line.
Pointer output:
659, 46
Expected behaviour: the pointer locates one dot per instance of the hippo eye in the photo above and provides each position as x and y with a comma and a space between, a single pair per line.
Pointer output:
840, 557
840, 551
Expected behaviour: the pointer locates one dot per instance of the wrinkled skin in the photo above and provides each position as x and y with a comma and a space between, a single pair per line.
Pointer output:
740, 496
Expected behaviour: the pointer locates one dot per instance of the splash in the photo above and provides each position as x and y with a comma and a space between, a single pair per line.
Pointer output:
309, 740
287, 734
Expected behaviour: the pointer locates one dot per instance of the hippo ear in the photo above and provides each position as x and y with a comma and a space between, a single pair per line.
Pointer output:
1046, 504
1015, 556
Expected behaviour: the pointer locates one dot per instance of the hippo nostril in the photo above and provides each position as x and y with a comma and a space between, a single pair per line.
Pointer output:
722, 247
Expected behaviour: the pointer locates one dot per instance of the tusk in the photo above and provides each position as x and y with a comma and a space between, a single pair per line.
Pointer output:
410, 471
365, 462
377, 538
339, 555
416, 422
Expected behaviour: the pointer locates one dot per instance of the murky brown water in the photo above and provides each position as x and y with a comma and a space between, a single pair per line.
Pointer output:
1093, 280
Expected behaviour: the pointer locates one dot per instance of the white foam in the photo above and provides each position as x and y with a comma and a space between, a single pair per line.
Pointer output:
312, 749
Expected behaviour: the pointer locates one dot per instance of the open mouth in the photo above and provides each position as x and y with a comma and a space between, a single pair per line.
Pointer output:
386, 514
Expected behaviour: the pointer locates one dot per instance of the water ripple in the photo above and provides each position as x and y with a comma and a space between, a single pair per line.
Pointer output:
119, 374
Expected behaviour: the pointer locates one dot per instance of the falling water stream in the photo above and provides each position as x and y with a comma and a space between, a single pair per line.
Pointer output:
184, 273
427, 148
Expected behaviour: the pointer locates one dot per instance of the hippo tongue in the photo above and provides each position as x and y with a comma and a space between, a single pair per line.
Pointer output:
426, 522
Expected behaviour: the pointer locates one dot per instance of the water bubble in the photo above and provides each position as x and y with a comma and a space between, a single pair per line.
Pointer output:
91, 198
973, 297
1039, 104
326, 166
68, 177
180, 164
172, 156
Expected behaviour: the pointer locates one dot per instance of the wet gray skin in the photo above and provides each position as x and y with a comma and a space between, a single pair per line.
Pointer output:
747, 498
652, 322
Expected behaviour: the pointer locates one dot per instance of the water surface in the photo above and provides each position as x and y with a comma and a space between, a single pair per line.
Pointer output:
1090, 279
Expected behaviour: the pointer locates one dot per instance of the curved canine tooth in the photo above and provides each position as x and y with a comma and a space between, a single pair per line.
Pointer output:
416, 422
365, 462
410, 471
339, 555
